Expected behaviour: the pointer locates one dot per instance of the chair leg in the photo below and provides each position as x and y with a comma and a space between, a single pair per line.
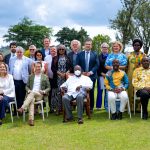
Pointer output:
11, 113
141, 111
88, 111
134, 105
42, 110
47, 108
129, 110
108, 110
24, 115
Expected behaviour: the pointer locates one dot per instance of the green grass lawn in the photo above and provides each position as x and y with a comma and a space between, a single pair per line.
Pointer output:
98, 133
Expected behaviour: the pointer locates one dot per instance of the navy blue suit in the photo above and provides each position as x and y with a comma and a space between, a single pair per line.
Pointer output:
7, 58
43, 52
93, 66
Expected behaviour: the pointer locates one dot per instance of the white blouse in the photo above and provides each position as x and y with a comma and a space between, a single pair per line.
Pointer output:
7, 85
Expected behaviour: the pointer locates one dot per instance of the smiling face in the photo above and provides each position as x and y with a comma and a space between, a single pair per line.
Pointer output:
3, 69
38, 56
116, 48
61, 50
46, 42
145, 62
115, 64
136, 47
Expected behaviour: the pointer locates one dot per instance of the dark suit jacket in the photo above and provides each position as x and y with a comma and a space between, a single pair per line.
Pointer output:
93, 62
43, 52
7, 58
101, 68
70, 55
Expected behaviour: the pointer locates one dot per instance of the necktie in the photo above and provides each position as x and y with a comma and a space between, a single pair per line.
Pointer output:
86, 61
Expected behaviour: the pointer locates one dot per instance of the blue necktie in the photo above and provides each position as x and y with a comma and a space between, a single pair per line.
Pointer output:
86, 62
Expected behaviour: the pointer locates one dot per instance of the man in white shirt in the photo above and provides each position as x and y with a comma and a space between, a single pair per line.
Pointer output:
37, 89
75, 88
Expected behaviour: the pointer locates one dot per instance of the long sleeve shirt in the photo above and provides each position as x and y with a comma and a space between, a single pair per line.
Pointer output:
141, 78
73, 82
116, 79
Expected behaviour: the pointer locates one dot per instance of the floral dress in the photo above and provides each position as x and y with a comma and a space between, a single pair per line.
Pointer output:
134, 61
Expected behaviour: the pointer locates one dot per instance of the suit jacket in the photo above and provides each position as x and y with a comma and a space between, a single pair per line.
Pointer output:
45, 85
43, 52
93, 62
7, 58
24, 70
101, 68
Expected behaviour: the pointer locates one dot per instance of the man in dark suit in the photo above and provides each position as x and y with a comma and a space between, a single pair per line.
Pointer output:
88, 60
75, 47
46, 50
12, 46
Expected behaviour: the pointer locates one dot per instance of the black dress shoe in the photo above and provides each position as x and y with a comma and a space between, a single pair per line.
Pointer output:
119, 115
145, 116
80, 121
114, 116
68, 120
1, 122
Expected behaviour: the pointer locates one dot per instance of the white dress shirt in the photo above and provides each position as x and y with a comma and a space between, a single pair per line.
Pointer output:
37, 83
73, 82
48, 59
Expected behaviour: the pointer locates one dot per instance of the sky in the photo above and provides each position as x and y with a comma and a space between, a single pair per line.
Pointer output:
92, 15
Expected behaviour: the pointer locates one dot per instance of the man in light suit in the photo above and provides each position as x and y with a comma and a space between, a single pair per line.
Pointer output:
19, 68
12, 46
37, 89
88, 60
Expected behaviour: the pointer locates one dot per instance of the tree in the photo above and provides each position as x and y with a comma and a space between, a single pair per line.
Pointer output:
26, 33
133, 21
66, 35
98, 40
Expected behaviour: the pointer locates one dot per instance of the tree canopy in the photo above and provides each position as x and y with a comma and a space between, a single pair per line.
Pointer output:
98, 40
27, 32
66, 35
133, 21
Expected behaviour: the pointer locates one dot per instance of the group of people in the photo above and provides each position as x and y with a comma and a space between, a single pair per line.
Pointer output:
44, 74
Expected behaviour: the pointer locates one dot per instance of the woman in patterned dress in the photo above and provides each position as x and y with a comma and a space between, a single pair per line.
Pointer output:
61, 65
134, 61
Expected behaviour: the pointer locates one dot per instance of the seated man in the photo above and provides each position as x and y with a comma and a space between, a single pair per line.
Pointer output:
141, 82
116, 83
37, 88
75, 88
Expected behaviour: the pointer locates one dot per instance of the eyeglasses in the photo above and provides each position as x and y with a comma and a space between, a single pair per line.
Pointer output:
104, 47
32, 49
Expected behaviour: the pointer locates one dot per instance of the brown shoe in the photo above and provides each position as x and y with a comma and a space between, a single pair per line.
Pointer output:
31, 122
20, 110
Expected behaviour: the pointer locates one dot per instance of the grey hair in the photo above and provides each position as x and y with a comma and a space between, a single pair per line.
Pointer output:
32, 46
19, 48
79, 43
104, 45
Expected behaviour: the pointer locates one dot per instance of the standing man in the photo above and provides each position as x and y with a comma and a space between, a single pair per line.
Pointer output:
88, 60
116, 82
46, 50
53, 81
19, 68
12, 46
75, 47
141, 82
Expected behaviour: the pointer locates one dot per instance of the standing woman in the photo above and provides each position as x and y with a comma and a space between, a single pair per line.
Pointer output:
2, 60
7, 90
134, 61
116, 54
101, 76
61, 65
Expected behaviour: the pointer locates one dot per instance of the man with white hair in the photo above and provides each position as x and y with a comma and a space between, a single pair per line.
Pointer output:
75, 47
19, 68
32, 49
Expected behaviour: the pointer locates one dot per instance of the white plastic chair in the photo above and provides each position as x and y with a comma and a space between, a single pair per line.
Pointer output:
10, 107
42, 110
129, 110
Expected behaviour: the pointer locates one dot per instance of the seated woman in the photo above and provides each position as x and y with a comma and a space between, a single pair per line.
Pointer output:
7, 90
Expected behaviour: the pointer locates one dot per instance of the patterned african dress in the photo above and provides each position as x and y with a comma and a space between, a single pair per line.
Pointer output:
134, 61
120, 56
